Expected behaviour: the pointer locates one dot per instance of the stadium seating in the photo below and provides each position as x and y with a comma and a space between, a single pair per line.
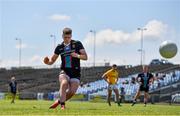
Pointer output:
100, 87
31, 80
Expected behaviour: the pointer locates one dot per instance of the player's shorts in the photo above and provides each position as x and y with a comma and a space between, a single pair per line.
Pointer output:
70, 77
145, 89
112, 86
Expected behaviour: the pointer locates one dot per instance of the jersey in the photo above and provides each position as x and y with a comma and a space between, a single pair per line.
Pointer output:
112, 76
145, 79
13, 86
69, 64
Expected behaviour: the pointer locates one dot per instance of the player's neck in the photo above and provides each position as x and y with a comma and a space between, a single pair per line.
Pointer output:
145, 72
67, 42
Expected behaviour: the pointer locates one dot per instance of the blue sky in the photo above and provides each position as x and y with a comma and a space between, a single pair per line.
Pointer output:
115, 22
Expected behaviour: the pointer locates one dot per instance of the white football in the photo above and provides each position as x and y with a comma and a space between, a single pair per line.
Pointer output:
168, 49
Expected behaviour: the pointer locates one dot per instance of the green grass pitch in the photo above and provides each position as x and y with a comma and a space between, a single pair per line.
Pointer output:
33, 107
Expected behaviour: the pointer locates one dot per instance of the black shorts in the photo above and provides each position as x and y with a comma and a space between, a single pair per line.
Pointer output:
72, 73
145, 89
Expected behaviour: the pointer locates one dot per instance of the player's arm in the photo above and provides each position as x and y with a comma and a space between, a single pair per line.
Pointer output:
82, 52
138, 79
17, 88
153, 79
117, 78
104, 76
52, 60
82, 55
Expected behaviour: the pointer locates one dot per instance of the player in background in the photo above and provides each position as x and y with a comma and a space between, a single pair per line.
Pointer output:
111, 77
13, 88
145, 79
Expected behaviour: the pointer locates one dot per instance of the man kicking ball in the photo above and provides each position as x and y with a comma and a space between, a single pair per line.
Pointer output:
71, 53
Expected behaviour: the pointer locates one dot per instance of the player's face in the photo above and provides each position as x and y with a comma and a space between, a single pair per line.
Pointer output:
67, 38
114, 68
12, 79
145, 69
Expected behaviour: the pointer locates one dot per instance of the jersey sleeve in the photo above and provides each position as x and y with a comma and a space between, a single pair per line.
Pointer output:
139, 75
118, 74
57, 50
80, 45
107, 72
151, 76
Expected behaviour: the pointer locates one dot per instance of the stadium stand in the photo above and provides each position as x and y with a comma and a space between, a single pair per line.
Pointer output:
33, 81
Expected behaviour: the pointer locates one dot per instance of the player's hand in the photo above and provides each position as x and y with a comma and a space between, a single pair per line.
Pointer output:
140, 83
74, 55
46, 60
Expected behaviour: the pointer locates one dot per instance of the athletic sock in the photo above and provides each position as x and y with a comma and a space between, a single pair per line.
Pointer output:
145, 104
134, 100
62, 103
120, 100
59, 101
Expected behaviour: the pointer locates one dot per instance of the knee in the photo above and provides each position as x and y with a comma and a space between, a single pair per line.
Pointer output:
117, 94
109, 94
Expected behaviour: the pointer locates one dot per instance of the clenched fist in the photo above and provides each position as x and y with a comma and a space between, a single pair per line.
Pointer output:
46, 60
75, 55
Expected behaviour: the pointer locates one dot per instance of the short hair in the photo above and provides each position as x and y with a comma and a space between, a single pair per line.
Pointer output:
114, 65
67, 31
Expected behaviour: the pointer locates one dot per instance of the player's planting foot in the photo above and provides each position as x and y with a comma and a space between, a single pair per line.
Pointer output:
55, 104
12, 102
119, 104
144, 104
109, 103
134, 102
